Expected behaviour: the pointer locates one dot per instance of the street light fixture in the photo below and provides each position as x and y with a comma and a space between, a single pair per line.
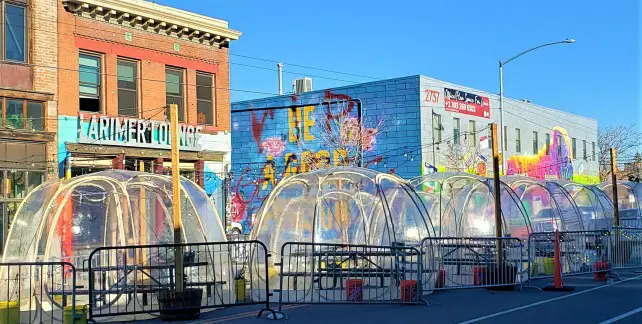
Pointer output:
501, 92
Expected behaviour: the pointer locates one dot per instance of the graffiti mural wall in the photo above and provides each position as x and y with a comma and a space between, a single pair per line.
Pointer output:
553, 161
279, 137
537, 141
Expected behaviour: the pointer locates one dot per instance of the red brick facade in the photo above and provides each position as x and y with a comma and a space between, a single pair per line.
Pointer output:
154, 52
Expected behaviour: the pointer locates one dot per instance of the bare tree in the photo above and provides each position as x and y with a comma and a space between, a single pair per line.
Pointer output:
633, 170
463, 157
344, 134
625, 139
455, 157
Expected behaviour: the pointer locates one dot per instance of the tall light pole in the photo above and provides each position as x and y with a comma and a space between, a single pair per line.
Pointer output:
501, 92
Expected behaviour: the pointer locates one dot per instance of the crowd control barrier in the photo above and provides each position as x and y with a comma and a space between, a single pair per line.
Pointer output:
141, 279
38, 292
471, 262
626, 248
312, 273
581, 252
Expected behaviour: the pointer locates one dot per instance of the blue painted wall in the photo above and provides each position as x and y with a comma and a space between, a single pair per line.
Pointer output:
262, 139
67, 132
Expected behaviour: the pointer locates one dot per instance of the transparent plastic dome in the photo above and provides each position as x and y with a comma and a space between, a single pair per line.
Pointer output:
629, 195
463, 205
341, 205
65, 220
594, 205
344, 205
548, 205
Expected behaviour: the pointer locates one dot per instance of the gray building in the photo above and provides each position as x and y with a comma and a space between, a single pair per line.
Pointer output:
538, 141
428, 125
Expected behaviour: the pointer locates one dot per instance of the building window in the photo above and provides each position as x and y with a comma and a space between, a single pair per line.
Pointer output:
472, 133
456, 127
505, 136
13, 114
558, 139
13, 32
518, 140
535, 143
89, 82
35, 116
174, 91
584, 156
22, 114
593, 151
436, 128
573, 148
204, 99
127, 88
547, 145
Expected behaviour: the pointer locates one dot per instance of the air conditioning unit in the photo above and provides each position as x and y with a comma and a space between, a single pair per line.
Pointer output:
302, 85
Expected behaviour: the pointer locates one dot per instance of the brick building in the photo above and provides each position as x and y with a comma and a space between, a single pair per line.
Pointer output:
121, 63
411, 126
28, 101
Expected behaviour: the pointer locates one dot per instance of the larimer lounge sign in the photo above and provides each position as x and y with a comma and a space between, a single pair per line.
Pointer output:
133, 132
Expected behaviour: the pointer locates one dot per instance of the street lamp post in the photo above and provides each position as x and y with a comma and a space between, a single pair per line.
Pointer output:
501, 92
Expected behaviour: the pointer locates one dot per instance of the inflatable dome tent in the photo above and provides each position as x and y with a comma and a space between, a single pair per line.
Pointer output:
548, 205
342, 205
628, 200
65, 220
345, 205
463, 205
595, 207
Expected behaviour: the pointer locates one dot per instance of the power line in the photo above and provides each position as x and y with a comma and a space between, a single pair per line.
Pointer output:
586, 129
200, 48
305, 67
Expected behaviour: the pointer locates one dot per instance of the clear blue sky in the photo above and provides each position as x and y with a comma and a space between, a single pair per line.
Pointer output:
457, 41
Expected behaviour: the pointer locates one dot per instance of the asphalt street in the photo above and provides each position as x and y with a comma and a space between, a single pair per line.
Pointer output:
592, 302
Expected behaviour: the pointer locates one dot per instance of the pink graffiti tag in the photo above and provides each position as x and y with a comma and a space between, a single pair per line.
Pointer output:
273, 146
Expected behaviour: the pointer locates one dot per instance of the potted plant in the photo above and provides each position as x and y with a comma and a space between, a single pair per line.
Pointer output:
181, 305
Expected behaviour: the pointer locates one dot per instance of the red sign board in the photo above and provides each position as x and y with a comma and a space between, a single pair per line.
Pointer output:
466, 103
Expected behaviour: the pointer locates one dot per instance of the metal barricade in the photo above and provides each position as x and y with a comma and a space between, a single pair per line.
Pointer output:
631, 223
235, 237
313, 273
581, 252
38, 292
140, 279
471, 262
626, 248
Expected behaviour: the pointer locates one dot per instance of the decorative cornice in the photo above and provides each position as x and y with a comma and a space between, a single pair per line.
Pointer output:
157, 18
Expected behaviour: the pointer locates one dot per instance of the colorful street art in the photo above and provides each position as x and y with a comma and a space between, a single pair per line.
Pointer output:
552, 162
325, 130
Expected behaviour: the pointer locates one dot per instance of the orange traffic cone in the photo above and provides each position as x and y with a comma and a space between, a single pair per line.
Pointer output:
558, 284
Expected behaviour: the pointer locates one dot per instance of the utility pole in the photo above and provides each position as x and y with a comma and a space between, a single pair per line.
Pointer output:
498, 200
176, 198
280, 68
616, 211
